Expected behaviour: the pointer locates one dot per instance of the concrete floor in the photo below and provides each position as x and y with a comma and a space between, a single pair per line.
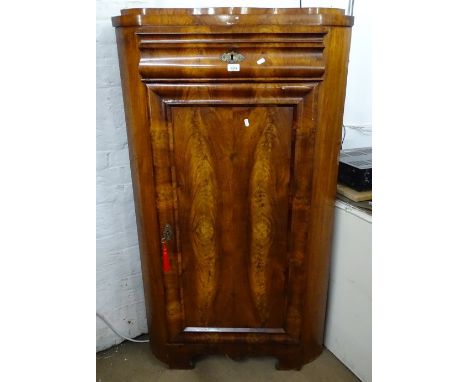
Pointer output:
134, 362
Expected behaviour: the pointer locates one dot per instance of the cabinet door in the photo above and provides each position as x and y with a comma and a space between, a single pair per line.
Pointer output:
233, 169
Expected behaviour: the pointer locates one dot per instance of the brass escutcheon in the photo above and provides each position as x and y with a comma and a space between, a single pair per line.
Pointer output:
232, 57
167, 233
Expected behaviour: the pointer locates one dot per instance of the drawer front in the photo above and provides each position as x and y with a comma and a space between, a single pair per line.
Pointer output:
230, 56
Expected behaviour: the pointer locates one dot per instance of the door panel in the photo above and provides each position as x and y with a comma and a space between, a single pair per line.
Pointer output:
232, 183
238, 201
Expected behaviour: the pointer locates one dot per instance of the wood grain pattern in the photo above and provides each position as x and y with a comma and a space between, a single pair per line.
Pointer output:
325, 173
282, 61
232, 150
261, 205
232, 11
139, 139
251, 207
165, 200
232, 17
202, 217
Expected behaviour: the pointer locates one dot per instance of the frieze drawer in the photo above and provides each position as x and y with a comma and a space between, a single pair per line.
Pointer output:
232, 56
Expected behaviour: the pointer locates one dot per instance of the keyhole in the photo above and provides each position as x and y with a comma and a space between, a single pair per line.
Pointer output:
232, 57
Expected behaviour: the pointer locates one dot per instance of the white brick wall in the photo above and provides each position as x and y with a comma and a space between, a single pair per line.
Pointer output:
119, 289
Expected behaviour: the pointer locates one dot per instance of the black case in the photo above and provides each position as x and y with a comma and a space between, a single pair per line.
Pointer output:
355, 169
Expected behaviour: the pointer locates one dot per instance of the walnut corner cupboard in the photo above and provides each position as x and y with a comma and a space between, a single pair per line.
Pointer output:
234, 122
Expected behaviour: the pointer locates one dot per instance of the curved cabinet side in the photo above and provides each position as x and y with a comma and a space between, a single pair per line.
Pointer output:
139, 143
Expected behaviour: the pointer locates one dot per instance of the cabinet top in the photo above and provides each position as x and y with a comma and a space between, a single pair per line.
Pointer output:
231, 16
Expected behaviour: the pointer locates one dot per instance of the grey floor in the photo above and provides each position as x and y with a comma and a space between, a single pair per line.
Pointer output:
132, 362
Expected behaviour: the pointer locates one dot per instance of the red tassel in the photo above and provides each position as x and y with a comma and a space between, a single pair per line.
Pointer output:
165, 259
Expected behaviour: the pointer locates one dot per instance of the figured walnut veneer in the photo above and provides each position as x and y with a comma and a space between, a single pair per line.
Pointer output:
251, 207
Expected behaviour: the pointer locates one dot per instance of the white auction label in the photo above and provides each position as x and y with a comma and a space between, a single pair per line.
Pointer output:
233, 67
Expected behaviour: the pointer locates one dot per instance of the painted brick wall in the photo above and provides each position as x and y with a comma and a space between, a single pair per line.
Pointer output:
119, 289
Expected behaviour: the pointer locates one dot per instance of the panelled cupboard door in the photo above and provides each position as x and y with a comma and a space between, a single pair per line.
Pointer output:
232, 169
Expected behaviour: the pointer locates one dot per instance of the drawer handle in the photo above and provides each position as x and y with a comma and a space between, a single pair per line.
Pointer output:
232, 57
